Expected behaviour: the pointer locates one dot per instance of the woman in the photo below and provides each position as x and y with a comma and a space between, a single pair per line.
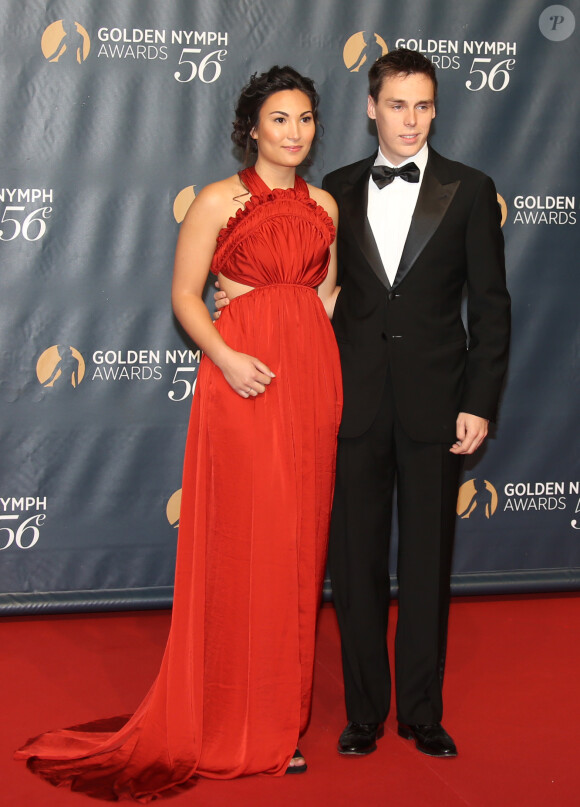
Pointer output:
233, 693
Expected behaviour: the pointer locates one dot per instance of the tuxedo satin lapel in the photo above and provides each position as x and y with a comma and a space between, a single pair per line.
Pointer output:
432, 203
355, 200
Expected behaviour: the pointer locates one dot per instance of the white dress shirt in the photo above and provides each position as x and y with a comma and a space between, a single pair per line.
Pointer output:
390, 210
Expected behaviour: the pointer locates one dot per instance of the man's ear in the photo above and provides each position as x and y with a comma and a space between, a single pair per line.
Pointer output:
371, 108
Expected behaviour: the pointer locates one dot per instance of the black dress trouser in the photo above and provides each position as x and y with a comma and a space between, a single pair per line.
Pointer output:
426, 477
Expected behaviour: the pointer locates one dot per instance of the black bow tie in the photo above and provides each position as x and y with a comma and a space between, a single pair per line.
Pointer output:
383, 175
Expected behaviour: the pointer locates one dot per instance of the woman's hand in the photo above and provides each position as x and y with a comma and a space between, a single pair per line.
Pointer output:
245, 374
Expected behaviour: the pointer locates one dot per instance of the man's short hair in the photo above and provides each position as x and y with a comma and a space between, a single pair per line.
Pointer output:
401, 61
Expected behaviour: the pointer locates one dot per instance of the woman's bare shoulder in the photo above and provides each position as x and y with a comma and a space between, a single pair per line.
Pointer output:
324, 199
218, 200
224, 190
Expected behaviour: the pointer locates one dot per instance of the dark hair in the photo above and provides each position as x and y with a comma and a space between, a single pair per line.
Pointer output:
257, 90
397, 62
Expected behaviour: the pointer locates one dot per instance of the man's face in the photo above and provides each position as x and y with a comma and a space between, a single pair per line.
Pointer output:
403, 112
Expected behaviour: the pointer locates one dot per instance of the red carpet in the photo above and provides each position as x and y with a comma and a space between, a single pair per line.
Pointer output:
512, 704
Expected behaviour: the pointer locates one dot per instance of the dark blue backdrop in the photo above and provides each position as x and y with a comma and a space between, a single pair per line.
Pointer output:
113, 114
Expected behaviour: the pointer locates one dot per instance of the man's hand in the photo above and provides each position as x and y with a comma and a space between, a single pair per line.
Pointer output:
220, 299
471, 431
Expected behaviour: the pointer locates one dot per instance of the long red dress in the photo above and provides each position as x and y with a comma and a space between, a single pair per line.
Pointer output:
234, 690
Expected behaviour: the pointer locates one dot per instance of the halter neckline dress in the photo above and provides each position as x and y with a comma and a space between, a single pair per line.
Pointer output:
234, 689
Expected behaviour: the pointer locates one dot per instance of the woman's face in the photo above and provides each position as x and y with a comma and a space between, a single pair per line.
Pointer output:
285, 129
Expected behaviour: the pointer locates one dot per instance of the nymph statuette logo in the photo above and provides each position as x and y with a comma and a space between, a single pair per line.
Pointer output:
60, 366
477, 499
362, 49
65, 41
503, 207
173, 508
182, 202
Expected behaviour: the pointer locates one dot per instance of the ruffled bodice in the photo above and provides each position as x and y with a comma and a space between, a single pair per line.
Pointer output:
279, 236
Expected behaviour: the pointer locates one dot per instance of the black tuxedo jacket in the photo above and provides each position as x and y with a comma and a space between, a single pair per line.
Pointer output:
414, 328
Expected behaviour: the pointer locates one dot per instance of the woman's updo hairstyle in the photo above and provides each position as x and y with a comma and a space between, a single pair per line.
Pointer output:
256, 91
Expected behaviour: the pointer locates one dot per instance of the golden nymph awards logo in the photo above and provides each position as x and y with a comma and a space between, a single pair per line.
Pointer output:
60, 366
477, 499
362, 50
65, 41
173, 508
183, 202
503, 207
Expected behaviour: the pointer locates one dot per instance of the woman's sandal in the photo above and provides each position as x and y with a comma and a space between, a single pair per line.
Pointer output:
297, 768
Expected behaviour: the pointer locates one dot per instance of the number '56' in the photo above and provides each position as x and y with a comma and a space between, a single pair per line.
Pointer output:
209, 69
27, 228
497, 79
27, 533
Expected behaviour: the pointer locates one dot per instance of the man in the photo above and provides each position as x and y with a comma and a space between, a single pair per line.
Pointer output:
418, 394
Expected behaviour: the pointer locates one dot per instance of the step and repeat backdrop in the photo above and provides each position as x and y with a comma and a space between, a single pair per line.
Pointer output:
113, 115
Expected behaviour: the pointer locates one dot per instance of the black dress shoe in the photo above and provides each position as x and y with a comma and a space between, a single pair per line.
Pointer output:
359, 739
431, 739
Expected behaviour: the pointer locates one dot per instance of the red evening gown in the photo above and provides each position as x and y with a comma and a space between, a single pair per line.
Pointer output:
234, 690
